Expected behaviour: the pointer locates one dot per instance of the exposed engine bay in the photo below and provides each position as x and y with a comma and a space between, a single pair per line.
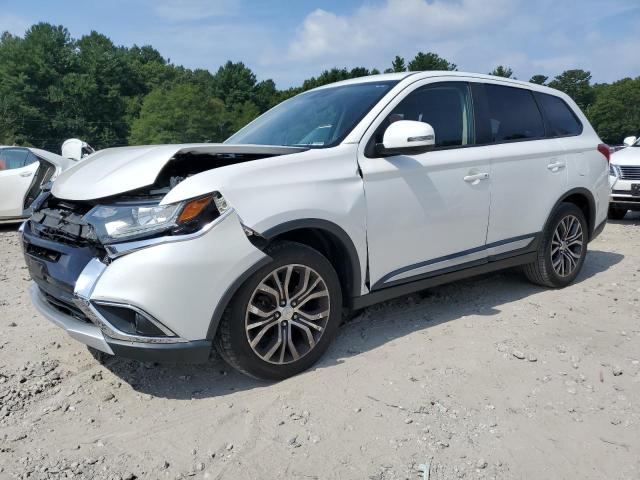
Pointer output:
71, 222
183, 166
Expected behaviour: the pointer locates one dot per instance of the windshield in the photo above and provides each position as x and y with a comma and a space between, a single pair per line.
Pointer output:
315, 119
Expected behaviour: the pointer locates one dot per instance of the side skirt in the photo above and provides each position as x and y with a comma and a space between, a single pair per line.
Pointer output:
388, 293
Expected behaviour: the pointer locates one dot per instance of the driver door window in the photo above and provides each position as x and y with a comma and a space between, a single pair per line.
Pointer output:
445, 106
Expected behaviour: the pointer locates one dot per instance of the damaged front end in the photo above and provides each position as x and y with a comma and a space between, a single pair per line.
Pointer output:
108, 229
72, 246
125, 221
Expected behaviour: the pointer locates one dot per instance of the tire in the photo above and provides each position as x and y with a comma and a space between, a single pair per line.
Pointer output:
284, 325
616, 213
546, 270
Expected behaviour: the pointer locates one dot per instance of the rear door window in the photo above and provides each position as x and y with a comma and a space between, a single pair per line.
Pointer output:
513, 114
561, 120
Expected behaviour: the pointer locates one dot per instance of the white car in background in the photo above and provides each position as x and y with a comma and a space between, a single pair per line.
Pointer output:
23, 172
624, 172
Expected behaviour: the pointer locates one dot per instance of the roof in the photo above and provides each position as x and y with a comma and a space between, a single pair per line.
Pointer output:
429, 74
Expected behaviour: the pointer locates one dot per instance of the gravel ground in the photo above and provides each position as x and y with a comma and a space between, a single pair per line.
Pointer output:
486, 378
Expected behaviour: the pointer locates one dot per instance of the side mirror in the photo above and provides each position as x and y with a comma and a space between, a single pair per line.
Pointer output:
407, 137
630, 141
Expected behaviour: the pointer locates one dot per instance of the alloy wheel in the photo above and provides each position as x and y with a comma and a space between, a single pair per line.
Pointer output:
567, 245
287, 314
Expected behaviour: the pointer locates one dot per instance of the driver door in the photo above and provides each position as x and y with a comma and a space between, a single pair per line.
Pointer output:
16, 175
424, 213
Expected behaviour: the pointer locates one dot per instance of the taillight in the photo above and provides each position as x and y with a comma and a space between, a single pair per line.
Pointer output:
603, 148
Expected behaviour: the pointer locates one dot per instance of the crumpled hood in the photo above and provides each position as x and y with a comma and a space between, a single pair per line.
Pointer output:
626, 156
118, 170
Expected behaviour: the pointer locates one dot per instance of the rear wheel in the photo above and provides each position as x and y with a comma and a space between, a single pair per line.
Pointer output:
562, 249
284, 317
616, 213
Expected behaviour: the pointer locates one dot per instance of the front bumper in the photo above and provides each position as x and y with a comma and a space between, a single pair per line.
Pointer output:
177, 283
621, 194
91, 335
85, 332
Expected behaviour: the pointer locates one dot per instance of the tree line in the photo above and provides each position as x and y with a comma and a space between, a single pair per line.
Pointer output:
54, 87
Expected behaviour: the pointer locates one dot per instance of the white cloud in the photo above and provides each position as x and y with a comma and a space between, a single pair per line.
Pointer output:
187, 10
531, 37
395, 25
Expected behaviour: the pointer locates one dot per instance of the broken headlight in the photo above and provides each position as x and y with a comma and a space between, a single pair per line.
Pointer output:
131, 221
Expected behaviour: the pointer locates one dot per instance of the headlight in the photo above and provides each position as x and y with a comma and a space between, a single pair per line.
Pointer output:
614, 170
124, 222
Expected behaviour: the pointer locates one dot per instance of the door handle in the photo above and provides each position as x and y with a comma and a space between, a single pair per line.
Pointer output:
26, 174
556, 166
475, 178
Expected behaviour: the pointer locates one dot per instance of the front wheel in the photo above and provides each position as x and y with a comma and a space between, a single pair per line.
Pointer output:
284, 316
562, 249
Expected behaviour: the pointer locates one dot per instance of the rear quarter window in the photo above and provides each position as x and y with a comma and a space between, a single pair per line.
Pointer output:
561, 120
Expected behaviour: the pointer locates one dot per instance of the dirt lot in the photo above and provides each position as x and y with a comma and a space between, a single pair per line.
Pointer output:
486, 378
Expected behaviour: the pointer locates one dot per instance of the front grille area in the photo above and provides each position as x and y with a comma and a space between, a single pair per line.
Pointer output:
629, 172
62, 221
65, 307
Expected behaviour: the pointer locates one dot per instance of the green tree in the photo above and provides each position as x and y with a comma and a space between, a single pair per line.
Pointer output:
398, 64
238, 117
234, 83
177, 114
32, 71
615, 113
502, 71
53, 87
539, 79
430, 61
265, 95
332, 76
104, 81
10, 106
577, 84
245, 98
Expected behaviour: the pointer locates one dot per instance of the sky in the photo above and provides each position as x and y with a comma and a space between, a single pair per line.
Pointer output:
289, 41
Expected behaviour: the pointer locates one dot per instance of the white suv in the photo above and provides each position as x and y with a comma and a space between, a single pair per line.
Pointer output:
625, 179
343, 196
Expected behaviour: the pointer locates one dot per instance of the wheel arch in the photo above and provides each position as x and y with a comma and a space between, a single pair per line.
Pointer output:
330, 240
326, 237
583, 199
